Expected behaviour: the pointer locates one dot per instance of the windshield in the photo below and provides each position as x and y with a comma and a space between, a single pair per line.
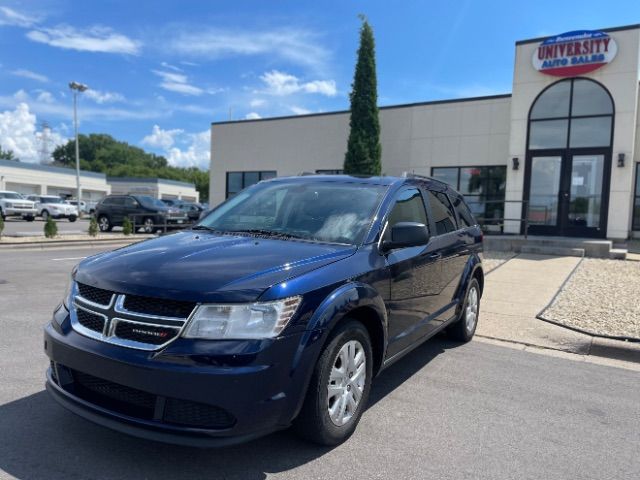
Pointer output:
319, 211
51, 200
151, 202
11, 195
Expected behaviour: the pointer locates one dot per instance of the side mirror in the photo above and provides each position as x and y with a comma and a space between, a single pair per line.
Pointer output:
407, 234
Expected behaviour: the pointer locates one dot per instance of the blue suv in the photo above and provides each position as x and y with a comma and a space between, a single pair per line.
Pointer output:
277, 309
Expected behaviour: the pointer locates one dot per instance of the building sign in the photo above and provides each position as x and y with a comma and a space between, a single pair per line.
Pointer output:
574, 53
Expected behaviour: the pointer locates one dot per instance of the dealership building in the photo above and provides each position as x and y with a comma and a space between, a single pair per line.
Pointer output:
160, 188
559, 150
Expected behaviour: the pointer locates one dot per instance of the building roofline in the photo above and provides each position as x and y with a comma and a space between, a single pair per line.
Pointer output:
386, 107
50, 168
608, 30
153, 180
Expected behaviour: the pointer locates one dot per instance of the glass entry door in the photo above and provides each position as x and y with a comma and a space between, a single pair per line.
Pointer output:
568, 193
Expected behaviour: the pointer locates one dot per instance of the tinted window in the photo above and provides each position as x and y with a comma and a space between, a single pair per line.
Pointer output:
130, 202
114, 201
589, 98
409, 207
554, 102
548, 134
464, 214
442, 211
237, 181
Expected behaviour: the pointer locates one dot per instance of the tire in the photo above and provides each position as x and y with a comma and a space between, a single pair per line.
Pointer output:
45, 215
315, 423
29, 218
104, 224
73, 218
148, 225
464, 328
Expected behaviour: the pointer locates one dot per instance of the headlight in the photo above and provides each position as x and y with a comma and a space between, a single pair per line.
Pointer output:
252, 320
66, 300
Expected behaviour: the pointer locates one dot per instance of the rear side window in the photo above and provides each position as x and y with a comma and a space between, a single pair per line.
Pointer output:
113, 201
409, 207
442, 211
464, 214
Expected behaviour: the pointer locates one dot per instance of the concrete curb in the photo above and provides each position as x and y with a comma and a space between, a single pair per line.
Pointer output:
94, 242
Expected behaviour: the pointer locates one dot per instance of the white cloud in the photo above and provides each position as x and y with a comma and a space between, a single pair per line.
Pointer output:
159, 138
281, 83
170, 67
293, 45
93, 39
104, 97
8, 16
45, 97
21, 72
18, 132
180, 148
252, 116
257, 102
196, 154
177, 82
299, 110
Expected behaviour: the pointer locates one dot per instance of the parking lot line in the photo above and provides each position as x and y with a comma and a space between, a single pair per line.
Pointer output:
66, 258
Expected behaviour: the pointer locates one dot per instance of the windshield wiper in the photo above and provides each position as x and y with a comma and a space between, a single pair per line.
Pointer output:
267, 233
204, 227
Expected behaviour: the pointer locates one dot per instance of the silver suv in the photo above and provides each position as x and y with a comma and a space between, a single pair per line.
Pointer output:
12, 204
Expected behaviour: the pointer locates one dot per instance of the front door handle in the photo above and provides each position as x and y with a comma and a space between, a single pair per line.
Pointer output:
434, 256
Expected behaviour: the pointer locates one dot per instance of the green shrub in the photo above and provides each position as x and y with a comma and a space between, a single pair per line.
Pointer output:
1, 225
93, 227
50, 228
127, 226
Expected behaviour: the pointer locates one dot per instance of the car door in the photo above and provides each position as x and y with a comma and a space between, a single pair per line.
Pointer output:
452, 245
131, 208
414, 272
116, 210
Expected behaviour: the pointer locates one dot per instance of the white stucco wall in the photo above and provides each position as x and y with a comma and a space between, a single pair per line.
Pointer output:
414, 138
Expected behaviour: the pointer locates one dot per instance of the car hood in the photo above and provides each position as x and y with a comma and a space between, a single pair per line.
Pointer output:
206, 267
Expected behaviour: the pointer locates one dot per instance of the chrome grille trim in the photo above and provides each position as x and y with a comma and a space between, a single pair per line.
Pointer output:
114, 312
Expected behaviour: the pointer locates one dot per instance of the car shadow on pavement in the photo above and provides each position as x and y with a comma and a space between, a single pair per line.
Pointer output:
40, 440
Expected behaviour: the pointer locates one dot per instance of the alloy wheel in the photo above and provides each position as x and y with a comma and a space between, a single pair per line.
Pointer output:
346, 382
471, 310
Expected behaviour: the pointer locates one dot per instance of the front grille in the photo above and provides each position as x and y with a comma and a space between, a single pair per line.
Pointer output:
145, 333
158, 306
90, 320
94, 294
193, 414
144, 405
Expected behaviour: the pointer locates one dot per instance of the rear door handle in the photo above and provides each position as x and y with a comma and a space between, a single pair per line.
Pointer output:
434, 256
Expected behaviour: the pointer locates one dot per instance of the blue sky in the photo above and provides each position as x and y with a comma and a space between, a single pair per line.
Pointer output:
160, 72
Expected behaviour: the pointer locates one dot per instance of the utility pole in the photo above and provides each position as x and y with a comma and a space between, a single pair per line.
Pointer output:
77, 88
44, 141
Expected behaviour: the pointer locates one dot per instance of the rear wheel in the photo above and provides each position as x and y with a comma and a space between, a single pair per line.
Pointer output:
148, 225
464, 328
104, 224
45, 215
339, 388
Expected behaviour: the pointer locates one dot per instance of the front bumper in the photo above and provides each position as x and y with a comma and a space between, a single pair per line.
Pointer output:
258, 385
20, 212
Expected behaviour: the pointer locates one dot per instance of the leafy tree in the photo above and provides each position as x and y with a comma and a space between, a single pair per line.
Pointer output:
50, 228
93, 227
127, 226
363, 147
100, 152
7, 155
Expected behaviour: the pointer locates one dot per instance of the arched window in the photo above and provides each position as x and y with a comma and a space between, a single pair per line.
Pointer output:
571, 113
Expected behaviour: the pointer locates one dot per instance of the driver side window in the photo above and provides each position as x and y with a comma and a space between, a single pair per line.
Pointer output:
409, 207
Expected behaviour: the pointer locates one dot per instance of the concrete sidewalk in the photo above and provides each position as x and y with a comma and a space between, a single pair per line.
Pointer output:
519, 289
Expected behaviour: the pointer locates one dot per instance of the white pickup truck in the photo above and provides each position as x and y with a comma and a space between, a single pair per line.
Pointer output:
12, 204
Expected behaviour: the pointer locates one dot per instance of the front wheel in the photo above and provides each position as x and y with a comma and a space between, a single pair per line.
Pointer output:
29, 218
148, 225
45, 215
73, 218
464, 328
339, 389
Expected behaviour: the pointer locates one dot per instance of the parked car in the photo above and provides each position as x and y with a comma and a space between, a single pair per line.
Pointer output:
171, 202
279, 308
144, 211
54, 207
12, 204
85, 207
193, 210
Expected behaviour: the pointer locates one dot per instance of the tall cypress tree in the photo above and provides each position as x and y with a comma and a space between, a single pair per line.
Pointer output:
363, 147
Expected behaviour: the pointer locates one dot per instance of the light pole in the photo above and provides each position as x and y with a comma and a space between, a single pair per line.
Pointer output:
77, 88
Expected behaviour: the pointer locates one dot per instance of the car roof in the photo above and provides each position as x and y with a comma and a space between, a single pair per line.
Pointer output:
410, 179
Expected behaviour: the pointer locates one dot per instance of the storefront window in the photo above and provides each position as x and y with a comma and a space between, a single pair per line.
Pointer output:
571, 113
237, 181
483, 189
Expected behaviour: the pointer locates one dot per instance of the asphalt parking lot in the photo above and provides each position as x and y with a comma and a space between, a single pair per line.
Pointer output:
16, 227
445, 411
